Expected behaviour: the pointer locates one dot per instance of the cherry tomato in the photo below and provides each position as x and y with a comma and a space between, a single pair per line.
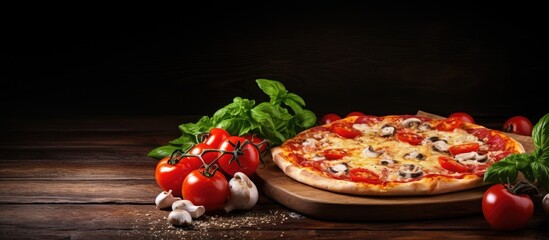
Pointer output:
363, 175
519, 125
216, 137
410, 138
170, 177
208, 190
449, 124
256, 140
345, 130
329, 117
465, 117
452, 165
356, 113
198, 149
504, 210
334, 154
247, 160
463, 148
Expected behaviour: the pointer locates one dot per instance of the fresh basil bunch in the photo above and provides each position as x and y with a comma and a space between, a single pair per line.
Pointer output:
534, 166
269, 120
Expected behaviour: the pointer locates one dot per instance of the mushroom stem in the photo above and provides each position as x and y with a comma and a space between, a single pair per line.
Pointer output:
243, 193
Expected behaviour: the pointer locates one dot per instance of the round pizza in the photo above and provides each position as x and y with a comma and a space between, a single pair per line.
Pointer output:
393, 155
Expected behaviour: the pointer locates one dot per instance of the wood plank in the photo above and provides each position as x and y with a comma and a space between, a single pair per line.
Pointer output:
144, 222
68, 191
87, 138
71, 153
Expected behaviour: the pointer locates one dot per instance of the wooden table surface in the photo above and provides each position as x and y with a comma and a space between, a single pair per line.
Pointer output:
90, 178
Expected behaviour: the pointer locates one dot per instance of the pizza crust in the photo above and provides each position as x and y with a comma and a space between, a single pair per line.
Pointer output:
425, 186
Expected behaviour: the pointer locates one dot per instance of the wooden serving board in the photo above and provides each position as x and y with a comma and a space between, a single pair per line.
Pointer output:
321, 204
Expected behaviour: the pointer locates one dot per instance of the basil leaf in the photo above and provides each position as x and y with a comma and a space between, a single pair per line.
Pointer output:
294, 97
308, 118
274, 89
203, 125
183, 139
504, 171
235, 126
162, 151
540, 169
540, 136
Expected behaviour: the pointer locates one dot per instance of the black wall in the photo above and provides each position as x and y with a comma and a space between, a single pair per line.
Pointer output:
391, 58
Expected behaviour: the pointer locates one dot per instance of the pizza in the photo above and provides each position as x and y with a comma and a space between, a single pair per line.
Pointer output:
393, 155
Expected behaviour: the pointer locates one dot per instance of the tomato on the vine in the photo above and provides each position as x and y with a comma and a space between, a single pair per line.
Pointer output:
207, 156
519, 125
246, 158
329, 117
170, 176
207, 189
505, 210
465, 117
259, 142
216, 137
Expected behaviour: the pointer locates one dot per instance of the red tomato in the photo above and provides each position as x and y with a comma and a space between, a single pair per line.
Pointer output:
259, 142
247, 160
465, 117
208, 190
519, 125
504, 210
452, 165
170, 177
449, 124
355, 114
464, 148
216, 137
345, 130
363, 175
410, 138
198, 149
329, 117
334, 154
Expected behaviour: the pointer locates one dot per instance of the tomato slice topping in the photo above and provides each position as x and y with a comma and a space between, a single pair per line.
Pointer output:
363, 175
410, 138
345, 130
334, 154
449, 124
464, 148
452, 165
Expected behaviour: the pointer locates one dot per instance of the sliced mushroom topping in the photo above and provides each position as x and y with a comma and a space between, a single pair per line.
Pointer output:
424, 126
309, 142
470, 156
409, 170
415, 154
387, 131
388, 162
430, 140
411, 122
440, 146
339, 169
370, 152
318, 158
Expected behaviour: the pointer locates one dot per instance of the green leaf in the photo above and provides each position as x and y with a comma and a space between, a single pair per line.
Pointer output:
294, 97
540, 170
308, 118
261, 115
183, 139
295, 106
203, 125
506, 170
540, 137
162, 151
274, 89
235, 126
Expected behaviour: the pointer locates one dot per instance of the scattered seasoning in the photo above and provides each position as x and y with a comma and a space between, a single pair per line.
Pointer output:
212, 226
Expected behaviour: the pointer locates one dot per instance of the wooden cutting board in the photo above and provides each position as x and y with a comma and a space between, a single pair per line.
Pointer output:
321, 204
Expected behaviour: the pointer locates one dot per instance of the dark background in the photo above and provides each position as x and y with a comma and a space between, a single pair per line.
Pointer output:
393, 58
